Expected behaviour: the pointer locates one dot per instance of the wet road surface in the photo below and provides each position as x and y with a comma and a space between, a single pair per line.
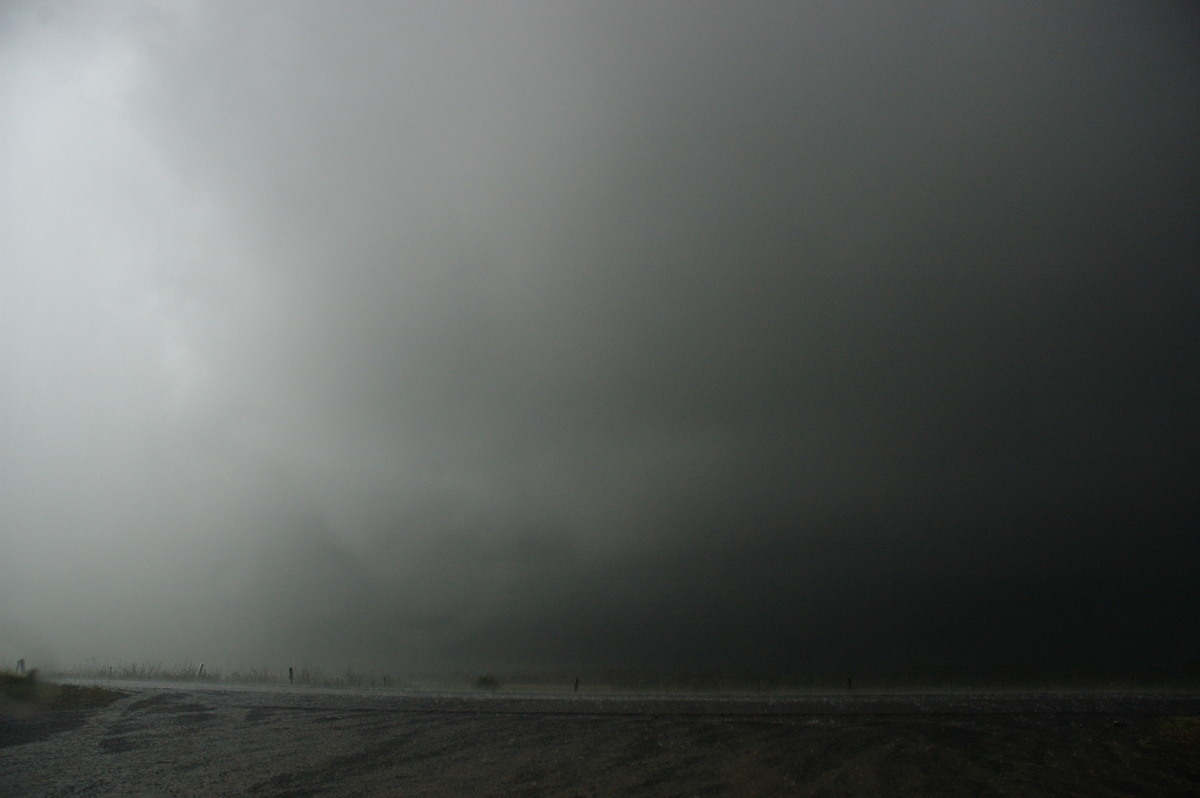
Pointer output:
161, 739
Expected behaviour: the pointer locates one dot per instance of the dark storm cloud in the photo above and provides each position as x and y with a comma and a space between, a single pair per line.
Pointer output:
788, 336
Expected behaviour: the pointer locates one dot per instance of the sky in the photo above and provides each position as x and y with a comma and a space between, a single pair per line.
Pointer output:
775, 336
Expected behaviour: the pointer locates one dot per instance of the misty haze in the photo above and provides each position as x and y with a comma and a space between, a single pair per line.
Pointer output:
795, 340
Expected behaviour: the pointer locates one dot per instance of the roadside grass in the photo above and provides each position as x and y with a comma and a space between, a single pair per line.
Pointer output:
31, 692
634, 681
304, 675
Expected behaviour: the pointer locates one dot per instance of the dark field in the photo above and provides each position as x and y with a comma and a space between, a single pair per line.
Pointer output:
205, 740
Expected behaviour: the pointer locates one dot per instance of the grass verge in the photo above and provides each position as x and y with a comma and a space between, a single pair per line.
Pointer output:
30, 692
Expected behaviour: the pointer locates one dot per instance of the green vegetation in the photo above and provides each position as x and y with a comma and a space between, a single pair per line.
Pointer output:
21, 688
29, 690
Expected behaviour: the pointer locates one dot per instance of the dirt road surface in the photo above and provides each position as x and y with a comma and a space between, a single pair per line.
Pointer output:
211, 740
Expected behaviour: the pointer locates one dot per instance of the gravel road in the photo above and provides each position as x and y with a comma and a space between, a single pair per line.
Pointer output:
212, 740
